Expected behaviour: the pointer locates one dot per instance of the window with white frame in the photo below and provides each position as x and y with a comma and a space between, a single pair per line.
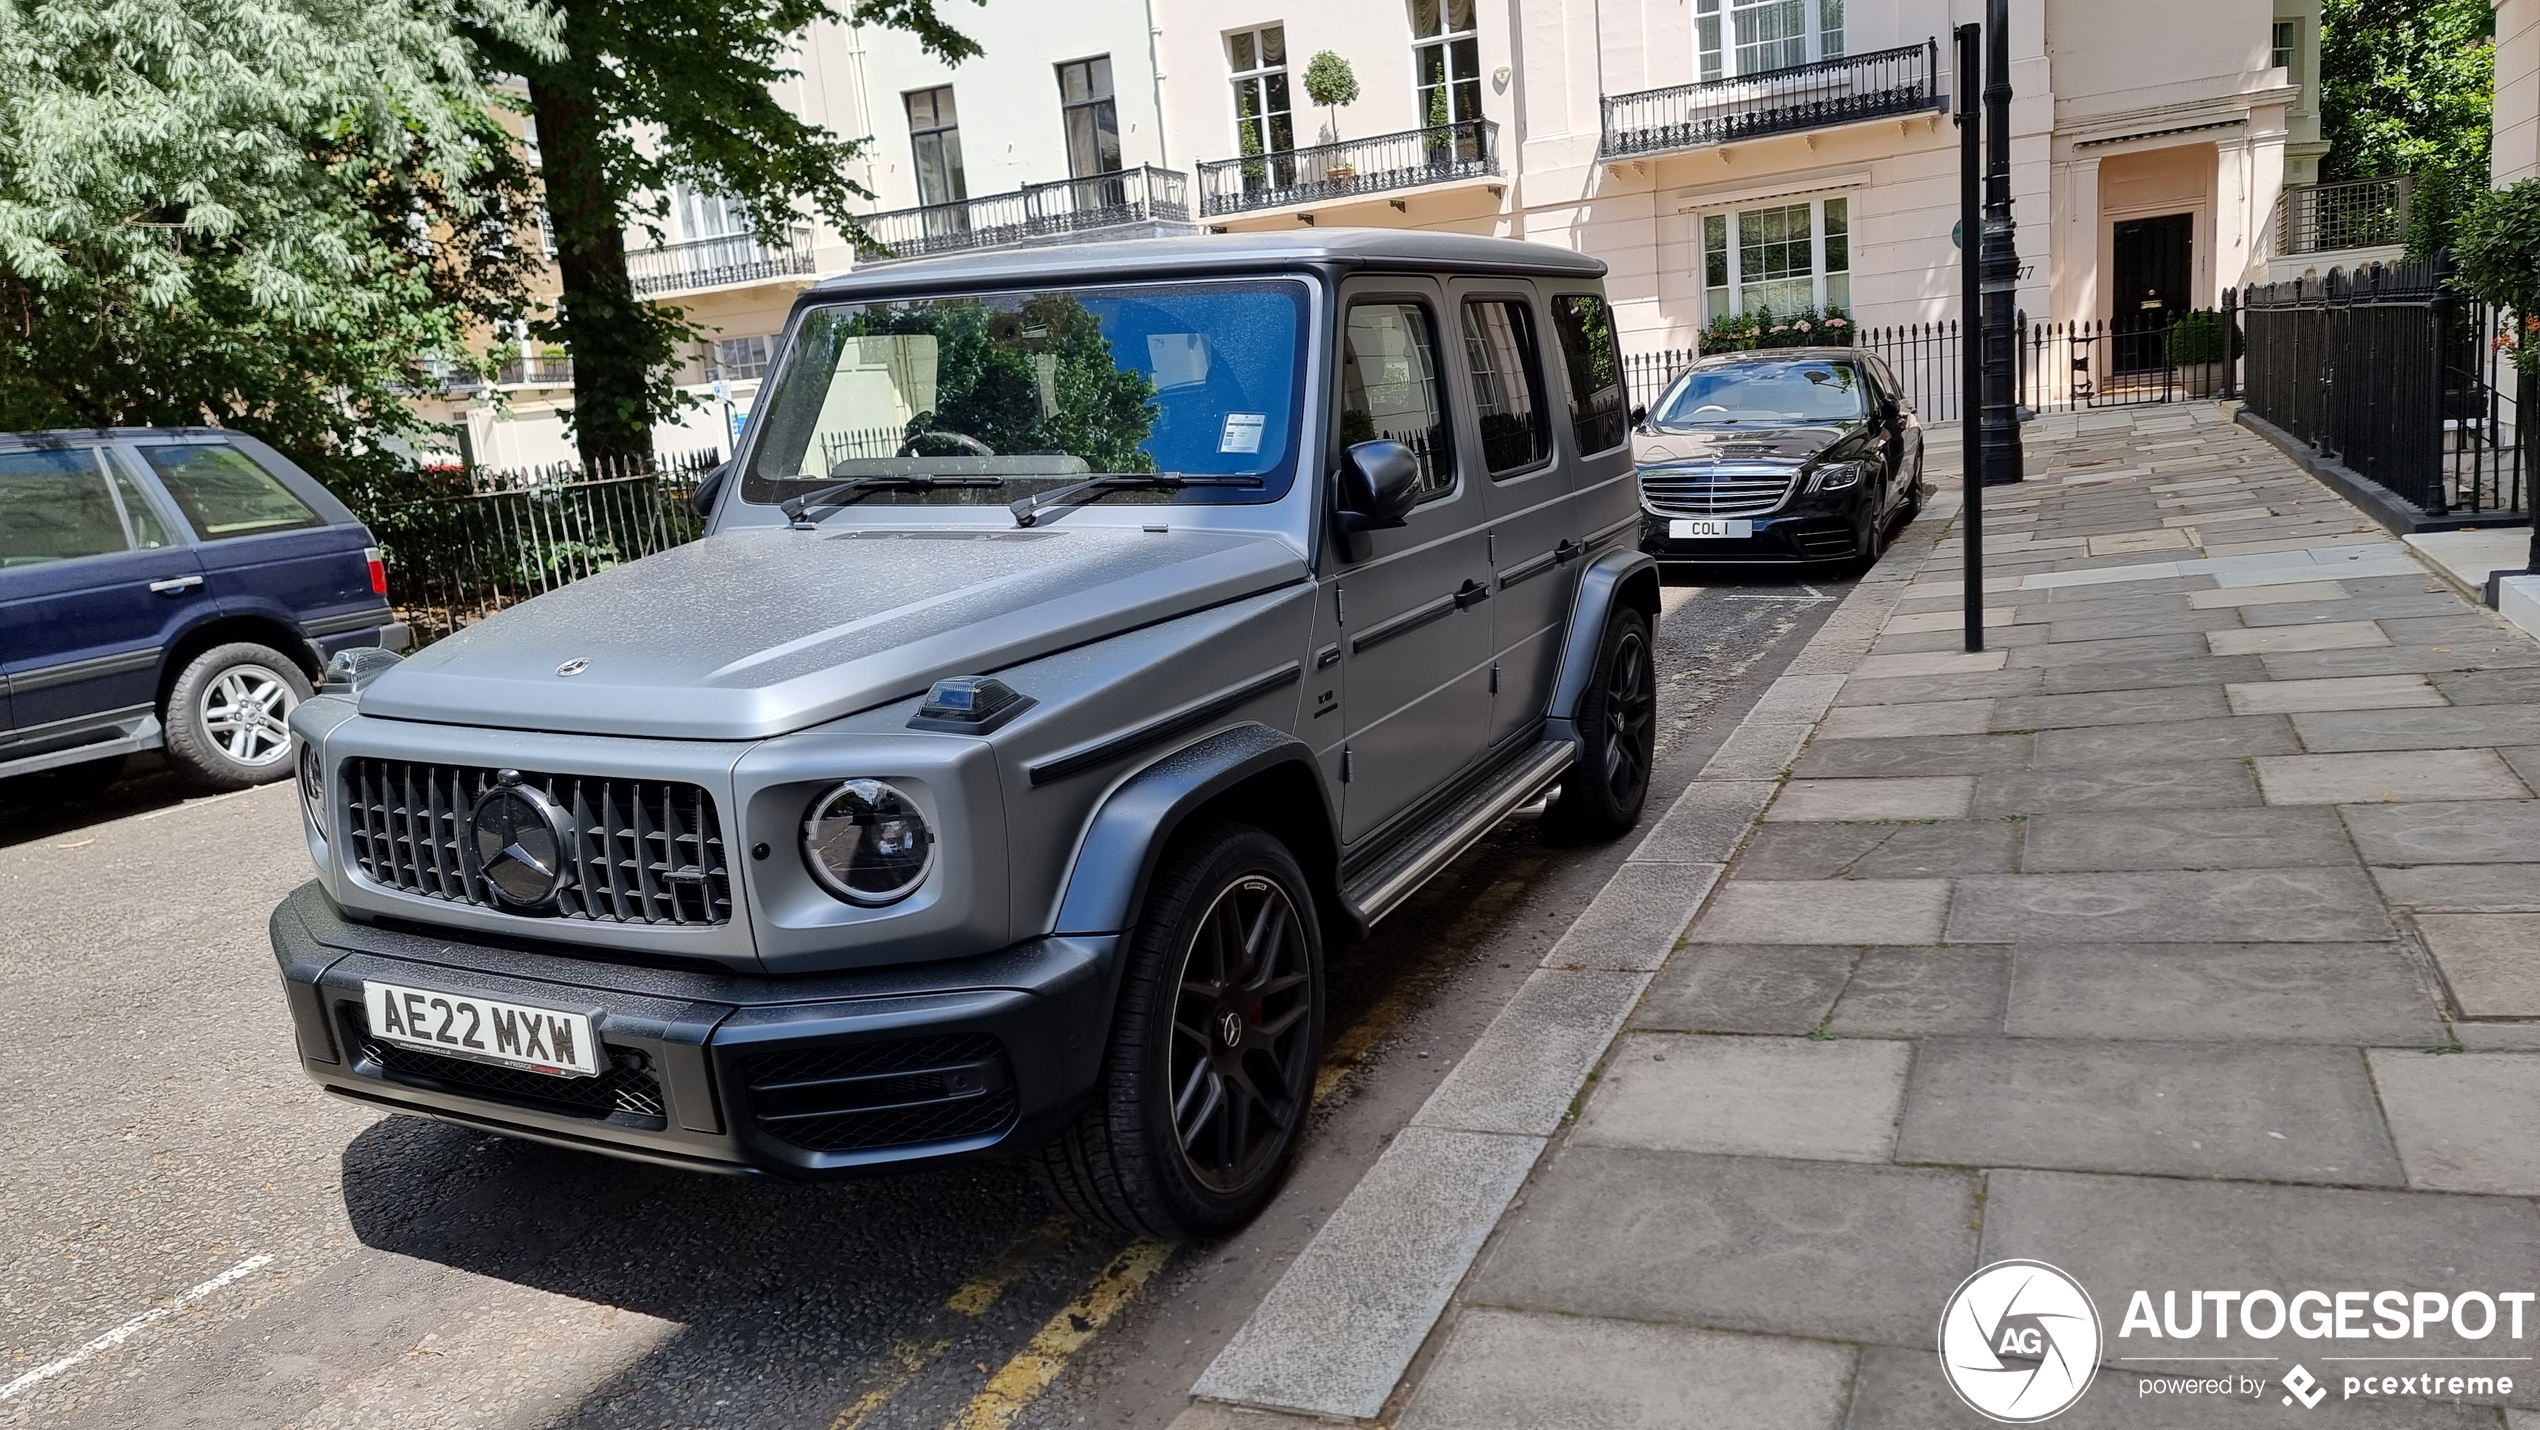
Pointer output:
1782, 257
738, 359
1749, 37
696, 214
2285, 46
1446, 61
1259, 60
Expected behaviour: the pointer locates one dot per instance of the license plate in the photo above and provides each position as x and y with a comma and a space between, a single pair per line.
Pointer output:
466, 1025
1684, 528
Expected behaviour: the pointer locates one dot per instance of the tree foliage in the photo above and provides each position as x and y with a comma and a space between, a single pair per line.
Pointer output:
646, 95
2498, 250
1330, 82
257, 213
2409, 88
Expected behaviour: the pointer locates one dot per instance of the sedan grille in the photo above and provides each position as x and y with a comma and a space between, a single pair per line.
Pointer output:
1705, 491
643, 852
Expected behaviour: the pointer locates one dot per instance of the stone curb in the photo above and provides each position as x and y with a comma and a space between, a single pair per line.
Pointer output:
1336, 1334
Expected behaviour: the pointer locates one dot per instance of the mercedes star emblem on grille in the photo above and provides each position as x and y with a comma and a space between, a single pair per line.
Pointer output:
575, 666
518, 836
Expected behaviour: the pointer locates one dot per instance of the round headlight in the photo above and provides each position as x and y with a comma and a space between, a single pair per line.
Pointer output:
866, 843
312, 786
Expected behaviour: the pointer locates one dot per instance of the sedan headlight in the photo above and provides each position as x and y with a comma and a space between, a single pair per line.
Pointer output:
866, 842
313, 786
1836, 476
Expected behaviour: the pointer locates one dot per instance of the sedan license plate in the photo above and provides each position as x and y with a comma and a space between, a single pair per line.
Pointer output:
1684, 528
463, 1025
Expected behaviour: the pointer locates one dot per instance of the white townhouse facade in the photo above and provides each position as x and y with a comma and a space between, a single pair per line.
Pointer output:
1722, 156
2516, 152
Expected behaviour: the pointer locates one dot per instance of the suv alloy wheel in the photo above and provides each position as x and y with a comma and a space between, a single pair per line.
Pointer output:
1211, 1067
227, 716
1602, 794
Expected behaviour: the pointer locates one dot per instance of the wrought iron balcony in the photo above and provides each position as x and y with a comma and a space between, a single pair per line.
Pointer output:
1904, 80
1035, 213
551, 370
2322, 218
1350, 169
716, 263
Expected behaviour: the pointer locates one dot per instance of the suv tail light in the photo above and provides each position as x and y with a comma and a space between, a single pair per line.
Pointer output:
378, 571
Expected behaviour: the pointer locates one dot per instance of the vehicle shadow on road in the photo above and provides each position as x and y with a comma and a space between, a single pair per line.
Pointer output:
56, 802
794, 1299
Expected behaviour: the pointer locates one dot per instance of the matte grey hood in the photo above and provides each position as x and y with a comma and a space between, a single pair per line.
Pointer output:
758, 632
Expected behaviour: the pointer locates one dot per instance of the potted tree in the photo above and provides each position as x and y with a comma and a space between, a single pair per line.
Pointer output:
1331, 83
2200, 343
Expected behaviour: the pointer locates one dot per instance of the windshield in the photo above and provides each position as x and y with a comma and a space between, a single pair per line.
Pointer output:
1765, 394
1037, 389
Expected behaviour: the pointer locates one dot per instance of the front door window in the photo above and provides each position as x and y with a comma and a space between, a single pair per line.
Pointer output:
1389, 388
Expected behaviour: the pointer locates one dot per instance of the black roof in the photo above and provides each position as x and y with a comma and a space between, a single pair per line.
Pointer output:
1218, 253
58, 435
1824, 354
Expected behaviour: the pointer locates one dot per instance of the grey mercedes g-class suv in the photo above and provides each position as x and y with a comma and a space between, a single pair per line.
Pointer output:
1084, 639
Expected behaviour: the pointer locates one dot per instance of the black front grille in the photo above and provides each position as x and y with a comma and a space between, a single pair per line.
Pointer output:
624, 1093
1688, 491
644, 851
873, 1095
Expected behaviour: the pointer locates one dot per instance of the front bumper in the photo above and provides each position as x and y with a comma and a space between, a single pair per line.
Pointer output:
1808, 528
810, 1077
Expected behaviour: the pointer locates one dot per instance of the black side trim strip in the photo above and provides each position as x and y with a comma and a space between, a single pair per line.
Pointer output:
49, 676
1409, 621
1531, 567
1163, 727
354, 621
1599, 538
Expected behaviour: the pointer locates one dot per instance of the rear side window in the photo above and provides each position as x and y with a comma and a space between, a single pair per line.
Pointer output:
1389, 388
1598, 406
55, 506
1499, 344
149, 533
223, 494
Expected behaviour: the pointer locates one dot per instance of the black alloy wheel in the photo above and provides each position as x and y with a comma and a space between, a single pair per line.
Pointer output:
1602, 795
1210, 1072
1239, 1065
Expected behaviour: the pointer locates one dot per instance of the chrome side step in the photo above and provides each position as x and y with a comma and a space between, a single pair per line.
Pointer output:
1383, 888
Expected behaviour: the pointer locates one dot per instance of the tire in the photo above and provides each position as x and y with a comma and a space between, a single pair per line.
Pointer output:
1602, 795
1187, 1135
225, 716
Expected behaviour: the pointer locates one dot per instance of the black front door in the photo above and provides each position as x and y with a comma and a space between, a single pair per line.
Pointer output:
2155, 274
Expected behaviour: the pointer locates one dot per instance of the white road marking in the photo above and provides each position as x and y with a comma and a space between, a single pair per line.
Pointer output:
199, 803
130, 1328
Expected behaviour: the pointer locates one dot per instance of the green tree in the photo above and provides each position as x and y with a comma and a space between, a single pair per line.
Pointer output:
257, 213
648, 94
1331, 83
2498, 245
2409, 88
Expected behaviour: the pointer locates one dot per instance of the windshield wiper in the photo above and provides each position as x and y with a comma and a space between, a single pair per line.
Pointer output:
848, 493
1027, 512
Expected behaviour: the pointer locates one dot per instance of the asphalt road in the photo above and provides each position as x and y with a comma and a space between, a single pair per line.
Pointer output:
197, 1237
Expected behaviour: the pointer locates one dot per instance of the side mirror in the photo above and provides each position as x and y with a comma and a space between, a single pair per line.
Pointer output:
1640, 416
1380, 484
1891, 412
710, 486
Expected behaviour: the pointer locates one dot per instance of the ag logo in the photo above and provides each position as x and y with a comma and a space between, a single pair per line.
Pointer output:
2019, 1342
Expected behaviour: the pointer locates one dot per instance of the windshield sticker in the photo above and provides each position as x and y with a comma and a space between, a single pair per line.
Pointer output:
1243, 432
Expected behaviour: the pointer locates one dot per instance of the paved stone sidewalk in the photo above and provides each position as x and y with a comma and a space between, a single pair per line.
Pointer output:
2183, 939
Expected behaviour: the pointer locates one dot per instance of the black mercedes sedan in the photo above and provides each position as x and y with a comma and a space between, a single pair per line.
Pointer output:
1798, 454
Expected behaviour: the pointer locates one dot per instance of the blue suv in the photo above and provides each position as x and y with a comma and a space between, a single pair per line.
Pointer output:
171, 587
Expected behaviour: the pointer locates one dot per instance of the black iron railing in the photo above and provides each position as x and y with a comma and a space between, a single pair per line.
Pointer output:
1903, 80
1352, 168
716, 262
454, 560
2323, 218
1033, 213
2396, 376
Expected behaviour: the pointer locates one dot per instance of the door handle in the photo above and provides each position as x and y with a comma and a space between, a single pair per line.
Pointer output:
1567, 552
1472, 593
176, 585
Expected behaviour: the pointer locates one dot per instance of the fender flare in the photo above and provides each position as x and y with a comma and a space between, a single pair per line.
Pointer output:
1130, 830
1627, 578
